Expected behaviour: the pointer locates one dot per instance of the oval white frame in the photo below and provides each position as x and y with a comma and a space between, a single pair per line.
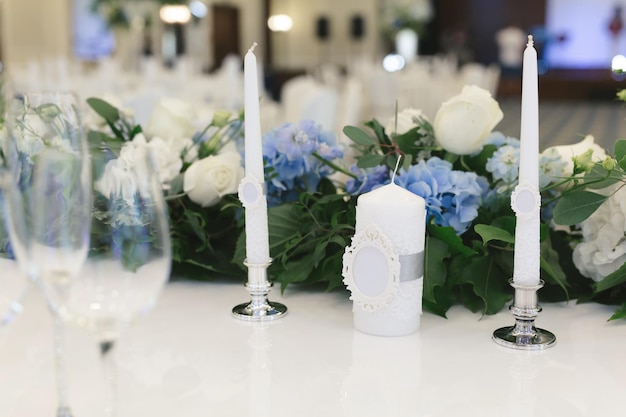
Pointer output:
372, 238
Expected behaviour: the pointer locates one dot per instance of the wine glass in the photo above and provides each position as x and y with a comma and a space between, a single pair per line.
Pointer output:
13, 285
13, 282
48, 200
129, 256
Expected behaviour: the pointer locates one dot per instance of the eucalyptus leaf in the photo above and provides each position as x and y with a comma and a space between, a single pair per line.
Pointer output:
358, 136
379, 130
370, 160
575, 207
103, 109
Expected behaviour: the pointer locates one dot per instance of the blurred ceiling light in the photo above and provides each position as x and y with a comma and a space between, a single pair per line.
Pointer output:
618, 64
198, 9
393, 62
175, 13
280, 23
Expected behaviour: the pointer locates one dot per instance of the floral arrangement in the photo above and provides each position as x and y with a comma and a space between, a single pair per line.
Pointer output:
461, 166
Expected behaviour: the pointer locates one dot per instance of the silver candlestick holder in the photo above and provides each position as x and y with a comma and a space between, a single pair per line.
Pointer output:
524, 335
259, 308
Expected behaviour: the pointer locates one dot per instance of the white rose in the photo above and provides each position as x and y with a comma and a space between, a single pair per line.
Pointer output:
567, 152
406, 121
463, 123
171, 118
603, 249
207, 180
167, 159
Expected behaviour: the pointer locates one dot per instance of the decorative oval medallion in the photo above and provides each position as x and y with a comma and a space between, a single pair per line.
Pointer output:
525, 200
250, 191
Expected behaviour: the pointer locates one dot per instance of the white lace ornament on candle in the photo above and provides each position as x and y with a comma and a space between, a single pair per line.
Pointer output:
383, 267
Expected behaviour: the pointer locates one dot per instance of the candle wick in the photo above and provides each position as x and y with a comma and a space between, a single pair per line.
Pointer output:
254, 44
393, 176
530, 41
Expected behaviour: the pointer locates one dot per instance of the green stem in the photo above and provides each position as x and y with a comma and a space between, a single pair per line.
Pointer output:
450, 157
334, 166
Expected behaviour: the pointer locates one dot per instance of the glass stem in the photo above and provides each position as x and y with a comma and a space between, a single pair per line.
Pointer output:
63, 407
109, 368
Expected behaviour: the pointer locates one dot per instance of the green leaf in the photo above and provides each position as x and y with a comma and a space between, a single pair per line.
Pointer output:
136, 130
358, 136
434, 268
449, 236
549, 262
319, 253
406, 142
490, 283
575, 207
296, 271
611, 280
489, 233
619, 150
283, 223
478, 162
104, 109
369, 161
379, 130
620, 313
177, 184
599, 178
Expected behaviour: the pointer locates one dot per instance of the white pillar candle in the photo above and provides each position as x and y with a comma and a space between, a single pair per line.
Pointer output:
257, 235
401, 217
526, 200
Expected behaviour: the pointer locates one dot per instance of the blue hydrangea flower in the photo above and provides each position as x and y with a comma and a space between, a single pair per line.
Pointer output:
452, 197
289, 151
367, 179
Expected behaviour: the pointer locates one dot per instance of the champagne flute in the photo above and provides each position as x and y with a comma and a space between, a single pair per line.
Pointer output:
129, 257
48, 200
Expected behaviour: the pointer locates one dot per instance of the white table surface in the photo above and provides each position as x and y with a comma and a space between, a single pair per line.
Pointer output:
190, 358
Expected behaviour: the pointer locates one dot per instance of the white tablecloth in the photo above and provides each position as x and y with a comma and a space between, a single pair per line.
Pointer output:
190, 358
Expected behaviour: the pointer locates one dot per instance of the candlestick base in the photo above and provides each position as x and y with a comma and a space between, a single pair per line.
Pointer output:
259, 308
524, 335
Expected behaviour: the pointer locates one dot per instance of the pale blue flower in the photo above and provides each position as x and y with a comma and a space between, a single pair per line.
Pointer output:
499, 139
504, 164
551, 167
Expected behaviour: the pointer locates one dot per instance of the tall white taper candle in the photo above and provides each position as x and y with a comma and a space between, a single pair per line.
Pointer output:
527, 255
257, 236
